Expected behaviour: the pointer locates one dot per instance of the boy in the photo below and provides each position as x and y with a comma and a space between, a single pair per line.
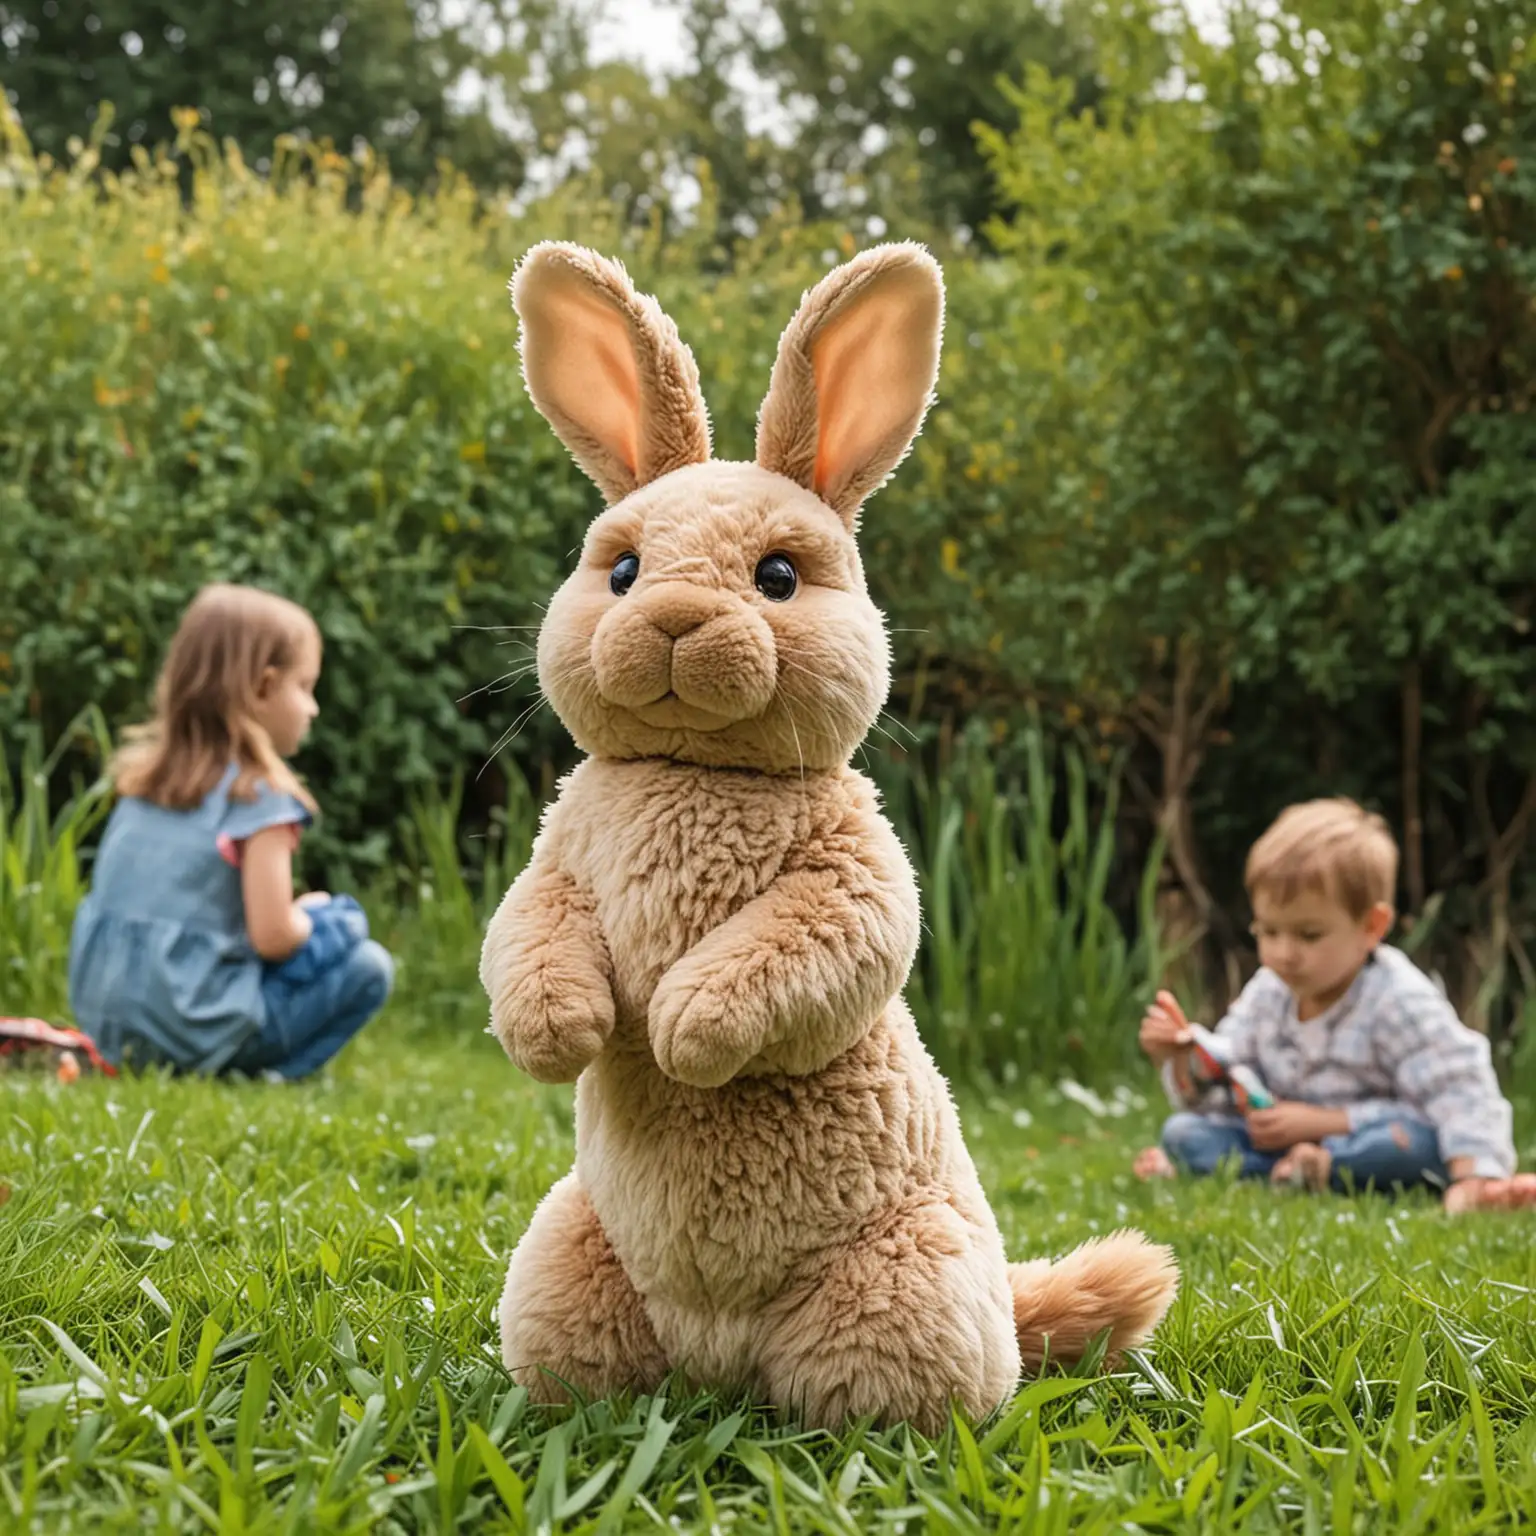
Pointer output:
1375, 1080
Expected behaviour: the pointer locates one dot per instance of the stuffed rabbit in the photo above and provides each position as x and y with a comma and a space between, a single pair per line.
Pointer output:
771, 1190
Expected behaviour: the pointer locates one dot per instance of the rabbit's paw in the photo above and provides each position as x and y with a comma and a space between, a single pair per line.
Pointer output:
699, 1027
553, 1026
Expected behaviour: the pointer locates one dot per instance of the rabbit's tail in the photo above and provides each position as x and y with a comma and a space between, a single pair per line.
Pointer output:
1122, 1283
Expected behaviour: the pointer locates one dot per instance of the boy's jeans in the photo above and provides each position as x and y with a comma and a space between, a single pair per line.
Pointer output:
320, 997
1401, 1151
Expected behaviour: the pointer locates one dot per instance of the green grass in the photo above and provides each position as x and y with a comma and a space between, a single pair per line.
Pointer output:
244, 1307
248, 1308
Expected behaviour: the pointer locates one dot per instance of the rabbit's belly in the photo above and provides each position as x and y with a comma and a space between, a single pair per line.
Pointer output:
715, 1198
671, 852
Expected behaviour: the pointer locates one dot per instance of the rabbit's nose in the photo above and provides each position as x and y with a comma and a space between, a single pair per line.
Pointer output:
676, 607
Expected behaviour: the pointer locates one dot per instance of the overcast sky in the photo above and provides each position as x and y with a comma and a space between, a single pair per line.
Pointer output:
645, 31
650, 32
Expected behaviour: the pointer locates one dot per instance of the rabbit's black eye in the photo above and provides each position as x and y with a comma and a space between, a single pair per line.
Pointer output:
625, 569
776, 578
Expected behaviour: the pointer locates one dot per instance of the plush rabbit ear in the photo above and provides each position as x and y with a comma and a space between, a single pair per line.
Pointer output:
607, 370
854, 375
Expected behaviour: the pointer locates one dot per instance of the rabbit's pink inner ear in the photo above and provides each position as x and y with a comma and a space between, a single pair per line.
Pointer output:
854, 375
608, 394
581, 372
607, 369
875, 366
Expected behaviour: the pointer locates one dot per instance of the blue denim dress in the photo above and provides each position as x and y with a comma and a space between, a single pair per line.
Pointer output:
160, 967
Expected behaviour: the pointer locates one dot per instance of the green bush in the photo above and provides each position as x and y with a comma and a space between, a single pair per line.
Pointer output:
310, 382
1026, 968
273, 388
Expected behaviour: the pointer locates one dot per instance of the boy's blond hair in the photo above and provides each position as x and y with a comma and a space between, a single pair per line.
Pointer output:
1334, 846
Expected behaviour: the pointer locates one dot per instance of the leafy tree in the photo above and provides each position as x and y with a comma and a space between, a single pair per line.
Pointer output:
1289, 294
865, 112
882, 97
381, 70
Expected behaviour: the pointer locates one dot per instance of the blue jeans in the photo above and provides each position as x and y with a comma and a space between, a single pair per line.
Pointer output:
1401, 1151
309, 1021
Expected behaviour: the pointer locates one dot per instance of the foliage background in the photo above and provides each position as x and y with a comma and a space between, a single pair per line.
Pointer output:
1227, 487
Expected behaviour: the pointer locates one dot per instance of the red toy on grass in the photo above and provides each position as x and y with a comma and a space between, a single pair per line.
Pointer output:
19, 1036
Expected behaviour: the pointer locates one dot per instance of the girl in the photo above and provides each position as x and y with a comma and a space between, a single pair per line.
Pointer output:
190, 949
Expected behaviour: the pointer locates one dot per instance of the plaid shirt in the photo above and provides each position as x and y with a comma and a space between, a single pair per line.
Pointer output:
1392, 1045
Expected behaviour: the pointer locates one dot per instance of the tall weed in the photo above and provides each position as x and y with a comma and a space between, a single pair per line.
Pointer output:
1026, 967
41, 874
434, 918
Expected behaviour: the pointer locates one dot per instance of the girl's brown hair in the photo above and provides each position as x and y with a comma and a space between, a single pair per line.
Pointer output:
205, 701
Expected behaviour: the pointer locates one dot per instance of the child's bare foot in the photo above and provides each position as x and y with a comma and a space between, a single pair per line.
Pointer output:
1306, 1165
1513, 1194
1153, 1163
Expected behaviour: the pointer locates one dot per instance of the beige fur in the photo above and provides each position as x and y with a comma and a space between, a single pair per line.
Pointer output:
771, 1187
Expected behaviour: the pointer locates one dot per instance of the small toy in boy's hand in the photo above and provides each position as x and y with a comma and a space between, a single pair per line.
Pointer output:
1207, 1057
1210, 1067
1249, 1090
